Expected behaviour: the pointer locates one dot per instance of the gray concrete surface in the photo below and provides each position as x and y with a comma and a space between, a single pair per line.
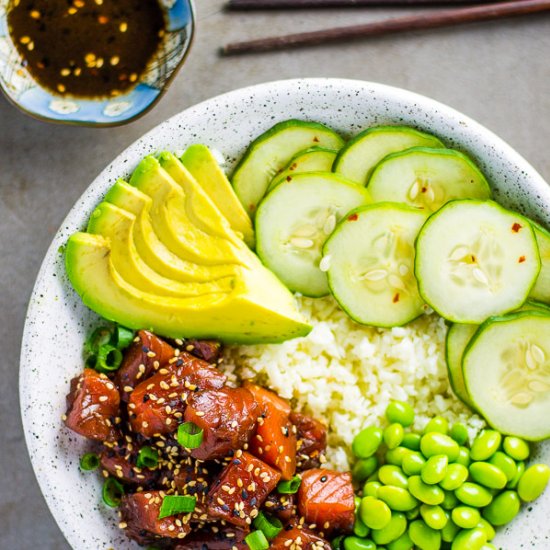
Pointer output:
498, 73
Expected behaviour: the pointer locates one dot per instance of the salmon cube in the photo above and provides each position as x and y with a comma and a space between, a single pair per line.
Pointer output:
298, 537
312, 440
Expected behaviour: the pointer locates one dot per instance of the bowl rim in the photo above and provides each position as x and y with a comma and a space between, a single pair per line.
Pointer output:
91, 124
89, 197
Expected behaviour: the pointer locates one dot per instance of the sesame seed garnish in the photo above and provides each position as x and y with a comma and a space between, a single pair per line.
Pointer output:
200, 413
123, 525
102, 398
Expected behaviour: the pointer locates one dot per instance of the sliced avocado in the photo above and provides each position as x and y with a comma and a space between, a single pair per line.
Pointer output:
260, 309
204, 167
117, 226
186, 221
149, 246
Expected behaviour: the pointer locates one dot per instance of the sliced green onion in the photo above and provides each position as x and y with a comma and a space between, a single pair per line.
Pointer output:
257, 541
147, 458
289, 487
338, 542
190, 435
122, 337
109, 358
177, 504
113, 492
270, 526
89, 462
90, 361
99, 337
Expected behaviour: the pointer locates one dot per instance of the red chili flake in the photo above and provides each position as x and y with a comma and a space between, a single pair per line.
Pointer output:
353, 217
424, 189
473, 258
288, 178
316, 139
396, 298
516, 227
252, 207
521, 259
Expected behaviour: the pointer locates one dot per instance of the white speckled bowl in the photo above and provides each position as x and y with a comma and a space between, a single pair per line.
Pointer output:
57, 322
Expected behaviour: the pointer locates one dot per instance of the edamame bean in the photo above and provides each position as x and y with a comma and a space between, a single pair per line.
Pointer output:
435, 443
505, 463
396, 498
396, 456
533, 482
412, 463
433, 516
411, 441
364, 468
435, 469
463, 457
413, 514
424, 537
485, 445
395, 528
450, 500
459, 433
469, 539
488, 475
473, 495
392, 475
360, 529
455, 476
503, 509
437, 424
428, 494
370, 489
404, 542
466, 517
393, 435
356, 501
401, 412
448, 533
513, 483
488, 528
356, 543
374, 513
516, 448
366, 442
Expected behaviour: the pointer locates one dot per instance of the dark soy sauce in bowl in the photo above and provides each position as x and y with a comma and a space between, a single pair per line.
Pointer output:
86, 48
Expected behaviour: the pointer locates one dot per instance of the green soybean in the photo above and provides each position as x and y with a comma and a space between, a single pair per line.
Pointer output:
424, 537
487, 527
370, 489
357, 502
413, 514
435, 469
533, 482
392, 475
466, 517
449, 501
488, 475
356, 543
404, 542
469, 539
412, 463
433, 516
437, 424
393, 435
400, 412
520, 469
448, 533
428, 494
485, 445
395, 528
411, 441
455, 476
505, 463
366, 442
397, 498
397, 455
503, 509
374, 513
516, 448
435, 443
463, 457
360, 529
473, 495
459, 433
364, 468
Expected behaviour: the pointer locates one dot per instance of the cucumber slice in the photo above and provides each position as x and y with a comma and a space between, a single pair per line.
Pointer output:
371, 264
541, 290
507, 372
294, 221
475, 259
271, 152
357, 159
427, 178
314, 159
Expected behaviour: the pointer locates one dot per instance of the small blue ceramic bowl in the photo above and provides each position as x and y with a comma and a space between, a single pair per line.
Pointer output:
24, 92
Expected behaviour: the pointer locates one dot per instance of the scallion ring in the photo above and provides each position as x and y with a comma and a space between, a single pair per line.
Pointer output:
190, 435
338, 542
109, 358
122, 337
112, 492
99, 337
289, 487
89, 462
257, 541
270, 526
176, 504
147, 458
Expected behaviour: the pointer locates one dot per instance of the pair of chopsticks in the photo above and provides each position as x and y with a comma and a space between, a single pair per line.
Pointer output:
444, 18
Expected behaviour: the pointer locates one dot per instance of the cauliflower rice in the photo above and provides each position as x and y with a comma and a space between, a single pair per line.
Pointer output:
345, 374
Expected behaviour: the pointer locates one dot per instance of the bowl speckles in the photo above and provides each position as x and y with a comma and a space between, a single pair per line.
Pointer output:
57, 322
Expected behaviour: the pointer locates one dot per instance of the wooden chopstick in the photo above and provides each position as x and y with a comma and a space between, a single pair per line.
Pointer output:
300, 4
447, 17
